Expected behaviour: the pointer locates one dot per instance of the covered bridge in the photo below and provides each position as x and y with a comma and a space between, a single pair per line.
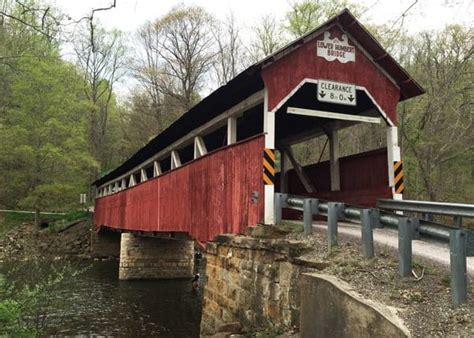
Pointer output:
213, 171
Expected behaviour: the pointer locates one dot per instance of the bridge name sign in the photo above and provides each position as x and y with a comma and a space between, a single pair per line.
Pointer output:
337, 92
335, 49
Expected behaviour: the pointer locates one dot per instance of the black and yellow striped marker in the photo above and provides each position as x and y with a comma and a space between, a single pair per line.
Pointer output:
268, 166
398, 177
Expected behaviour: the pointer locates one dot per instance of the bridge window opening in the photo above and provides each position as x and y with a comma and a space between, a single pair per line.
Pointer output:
149, 171
250, 123
165, 164
186, 154
137, 177
216, 139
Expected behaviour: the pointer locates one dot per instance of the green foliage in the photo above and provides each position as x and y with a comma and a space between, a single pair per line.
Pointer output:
43, 126
306, 15
28, 295
10, 313
43, 149
436, 128
292, 227
8, 220
70, 218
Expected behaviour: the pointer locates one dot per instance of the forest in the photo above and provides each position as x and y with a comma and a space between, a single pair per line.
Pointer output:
64, 123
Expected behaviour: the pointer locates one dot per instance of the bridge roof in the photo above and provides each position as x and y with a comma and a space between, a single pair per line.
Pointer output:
250, 81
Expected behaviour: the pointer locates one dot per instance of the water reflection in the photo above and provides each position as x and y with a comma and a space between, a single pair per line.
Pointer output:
97, 303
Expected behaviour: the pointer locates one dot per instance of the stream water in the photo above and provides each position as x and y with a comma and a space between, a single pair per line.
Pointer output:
95, 302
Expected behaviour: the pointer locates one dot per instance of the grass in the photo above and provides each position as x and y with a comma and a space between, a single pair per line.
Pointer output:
9, 220
271, 333
69, 218
291, 227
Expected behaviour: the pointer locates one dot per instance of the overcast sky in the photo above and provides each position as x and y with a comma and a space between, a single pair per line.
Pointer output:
130, 14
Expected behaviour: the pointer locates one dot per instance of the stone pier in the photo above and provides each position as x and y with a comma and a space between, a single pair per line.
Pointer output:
105, 243
155, 258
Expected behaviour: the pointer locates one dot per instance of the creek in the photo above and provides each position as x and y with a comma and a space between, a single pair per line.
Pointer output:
95, 302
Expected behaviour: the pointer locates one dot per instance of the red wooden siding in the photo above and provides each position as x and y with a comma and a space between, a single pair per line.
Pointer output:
282, 76
205, 197
364, 178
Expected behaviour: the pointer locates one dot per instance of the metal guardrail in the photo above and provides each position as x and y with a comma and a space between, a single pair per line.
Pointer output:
461, 241
32, 212
437, 208
428, 209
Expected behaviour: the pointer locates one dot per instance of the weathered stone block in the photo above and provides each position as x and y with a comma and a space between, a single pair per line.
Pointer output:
151, 258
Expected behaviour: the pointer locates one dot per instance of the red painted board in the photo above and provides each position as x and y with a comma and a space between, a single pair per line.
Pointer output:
205, 197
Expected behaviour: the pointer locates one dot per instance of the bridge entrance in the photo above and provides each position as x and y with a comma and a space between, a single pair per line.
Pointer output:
336, 151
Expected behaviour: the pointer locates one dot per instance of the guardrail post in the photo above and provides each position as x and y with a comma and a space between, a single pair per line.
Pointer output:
335, 211
415, 224
280, 203
457, 253
375, 215
367, 220
310, 208
404, 246
458, 222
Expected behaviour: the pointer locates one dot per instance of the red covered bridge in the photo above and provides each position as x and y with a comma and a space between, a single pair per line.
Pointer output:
213, 170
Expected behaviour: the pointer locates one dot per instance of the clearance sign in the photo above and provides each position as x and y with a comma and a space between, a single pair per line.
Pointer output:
335, 49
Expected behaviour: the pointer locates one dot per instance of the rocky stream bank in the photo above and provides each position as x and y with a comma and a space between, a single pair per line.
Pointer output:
28, 241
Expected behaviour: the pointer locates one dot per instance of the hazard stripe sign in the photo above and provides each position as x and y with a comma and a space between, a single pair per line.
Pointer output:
268, 166
398, 177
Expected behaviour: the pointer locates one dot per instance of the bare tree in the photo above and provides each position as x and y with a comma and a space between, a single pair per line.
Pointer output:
268, 38
185, 46
147, 68
42, 19
157, 99
231, 57
101, 57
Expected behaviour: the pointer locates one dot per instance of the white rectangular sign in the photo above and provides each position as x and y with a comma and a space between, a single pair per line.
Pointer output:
337, 92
